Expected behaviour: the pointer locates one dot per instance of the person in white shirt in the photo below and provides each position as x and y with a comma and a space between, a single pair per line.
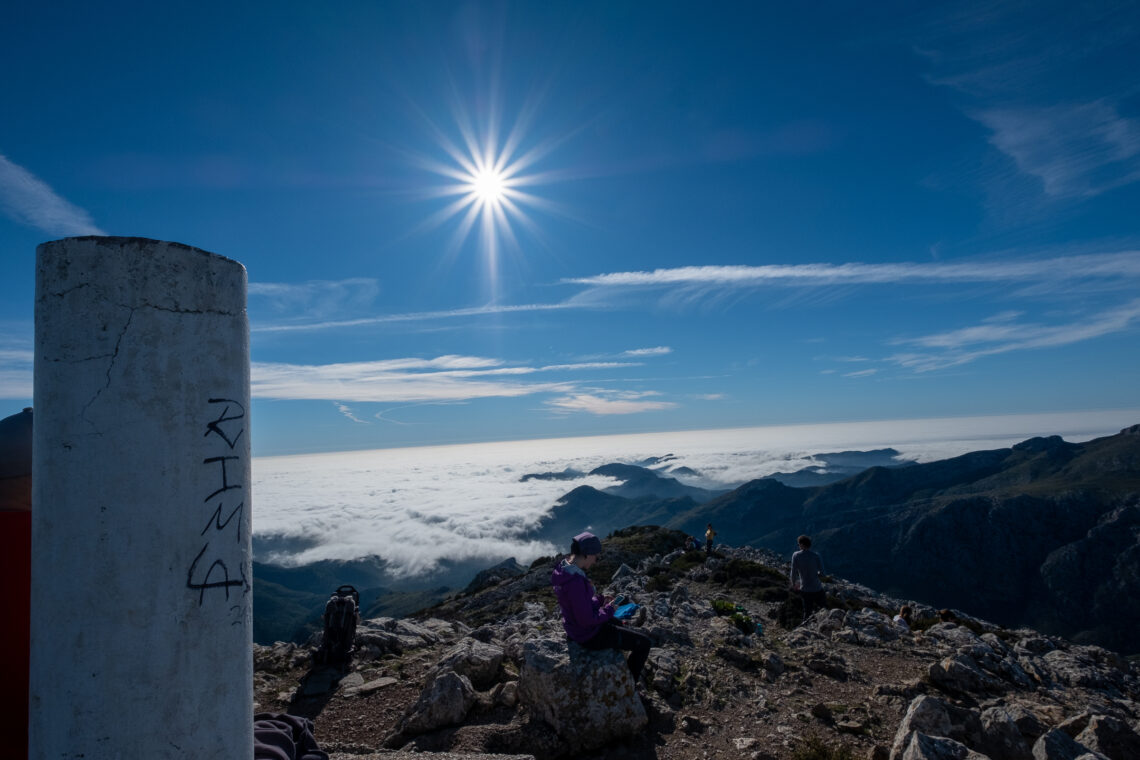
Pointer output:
807, 567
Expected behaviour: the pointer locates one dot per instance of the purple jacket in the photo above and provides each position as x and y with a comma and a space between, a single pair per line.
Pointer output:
583, 613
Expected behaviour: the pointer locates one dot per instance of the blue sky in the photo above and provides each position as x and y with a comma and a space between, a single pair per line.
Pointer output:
481, 221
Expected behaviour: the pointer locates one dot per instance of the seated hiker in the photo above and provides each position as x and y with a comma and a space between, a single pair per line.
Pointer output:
903, 619
807, 567
587, 616
946, 616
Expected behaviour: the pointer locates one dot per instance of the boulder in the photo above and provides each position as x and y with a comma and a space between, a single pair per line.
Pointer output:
872, 625
588, 698
445, 702
1057, 745
379, 636
1001, 739
961, 674
1111, 737
472, 658
1077, 667
665, 670
952, 634
1028, 722
923, 747
925, 714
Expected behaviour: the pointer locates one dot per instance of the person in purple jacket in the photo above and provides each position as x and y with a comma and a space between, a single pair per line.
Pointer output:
587, 616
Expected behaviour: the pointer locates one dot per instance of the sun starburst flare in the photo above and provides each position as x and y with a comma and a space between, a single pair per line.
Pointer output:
487, 177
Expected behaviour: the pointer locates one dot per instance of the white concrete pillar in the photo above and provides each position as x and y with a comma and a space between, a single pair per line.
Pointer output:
141, 601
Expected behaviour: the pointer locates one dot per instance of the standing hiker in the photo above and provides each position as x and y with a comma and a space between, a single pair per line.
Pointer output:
807, 567
710, 534
587, 616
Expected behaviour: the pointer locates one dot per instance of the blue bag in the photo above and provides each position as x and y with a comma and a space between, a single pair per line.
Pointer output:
626, 611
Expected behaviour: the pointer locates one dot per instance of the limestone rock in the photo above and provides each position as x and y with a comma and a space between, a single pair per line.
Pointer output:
587, 697
1057, 745
445, 702
923, 747
665, 670
509, 694
472, 658
960, 673
1111, 737
872, 626
1001, 739
925, 714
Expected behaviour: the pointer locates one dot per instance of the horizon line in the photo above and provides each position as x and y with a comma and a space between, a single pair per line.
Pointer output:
794, 425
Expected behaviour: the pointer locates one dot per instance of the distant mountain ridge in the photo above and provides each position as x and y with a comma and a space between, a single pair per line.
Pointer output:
1045, 533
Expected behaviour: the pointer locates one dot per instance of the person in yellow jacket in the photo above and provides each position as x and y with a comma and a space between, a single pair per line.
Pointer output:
709, 535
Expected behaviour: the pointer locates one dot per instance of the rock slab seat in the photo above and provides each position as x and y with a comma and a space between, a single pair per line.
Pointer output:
588, 698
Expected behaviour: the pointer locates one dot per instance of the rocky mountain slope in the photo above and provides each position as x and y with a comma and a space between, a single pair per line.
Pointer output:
489, 671
1046, 533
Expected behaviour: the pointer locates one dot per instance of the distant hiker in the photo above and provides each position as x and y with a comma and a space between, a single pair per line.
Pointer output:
587, 616
807, 567
690, 543
902, 620
710, 534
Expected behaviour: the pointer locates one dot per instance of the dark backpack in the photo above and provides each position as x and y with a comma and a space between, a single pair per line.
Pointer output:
342, 612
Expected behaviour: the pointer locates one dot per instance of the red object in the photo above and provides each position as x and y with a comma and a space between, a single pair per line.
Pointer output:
15, 634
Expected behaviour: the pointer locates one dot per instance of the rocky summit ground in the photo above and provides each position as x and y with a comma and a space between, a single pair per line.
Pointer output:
848, 683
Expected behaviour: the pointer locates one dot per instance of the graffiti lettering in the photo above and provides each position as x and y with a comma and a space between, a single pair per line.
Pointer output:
216, 425
216, 565
225, 583
216, 520
225, 483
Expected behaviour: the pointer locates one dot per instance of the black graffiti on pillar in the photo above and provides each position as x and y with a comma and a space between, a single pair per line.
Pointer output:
218, 426
225, 482
226, 583
216, 520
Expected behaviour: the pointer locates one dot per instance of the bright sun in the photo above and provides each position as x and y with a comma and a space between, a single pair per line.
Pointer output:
488, 185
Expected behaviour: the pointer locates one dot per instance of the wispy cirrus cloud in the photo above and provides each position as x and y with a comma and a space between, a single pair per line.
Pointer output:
655, 351
968, 344
348, 413
28, 200
416, 316
315, 300
1107, 266
443, 378
609, 402
1075, 150
1039, 276
1043, 79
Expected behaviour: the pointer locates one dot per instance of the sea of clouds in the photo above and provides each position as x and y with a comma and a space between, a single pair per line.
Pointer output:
418, 507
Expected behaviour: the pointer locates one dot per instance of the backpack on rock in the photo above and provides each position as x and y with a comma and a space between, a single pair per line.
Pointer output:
342, 613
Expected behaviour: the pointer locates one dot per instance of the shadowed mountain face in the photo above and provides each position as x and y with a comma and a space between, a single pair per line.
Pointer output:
1046, 533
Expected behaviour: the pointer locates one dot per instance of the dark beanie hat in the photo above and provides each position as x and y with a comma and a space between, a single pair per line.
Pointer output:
588, 543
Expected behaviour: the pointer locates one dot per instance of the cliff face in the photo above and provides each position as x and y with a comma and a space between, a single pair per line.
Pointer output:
489, 671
